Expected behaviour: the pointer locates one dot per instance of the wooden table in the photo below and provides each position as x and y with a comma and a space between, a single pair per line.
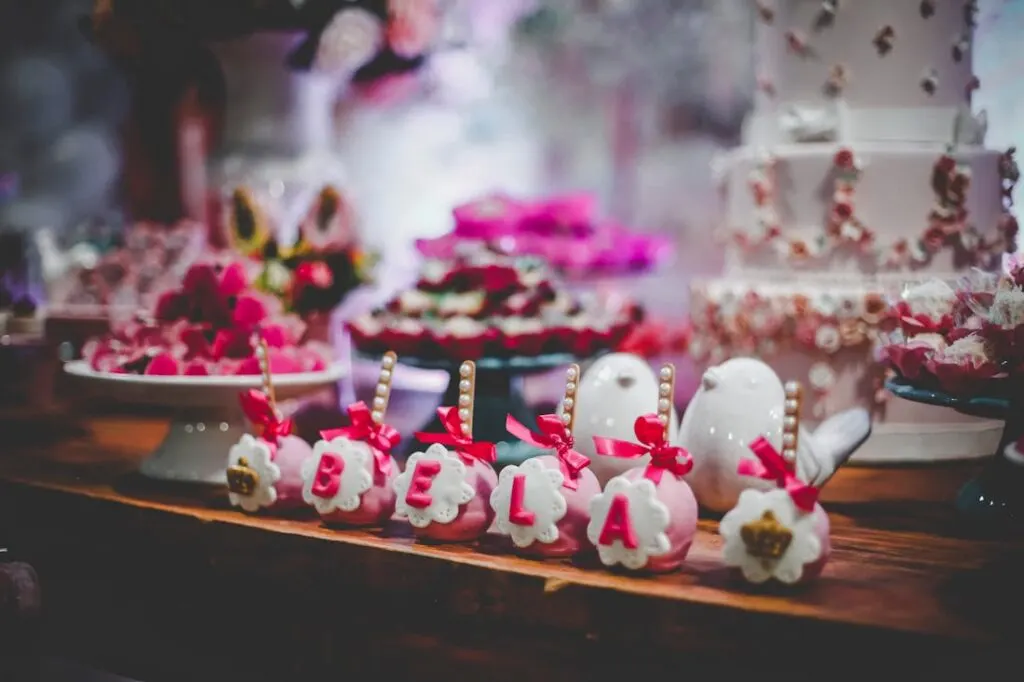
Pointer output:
172, 585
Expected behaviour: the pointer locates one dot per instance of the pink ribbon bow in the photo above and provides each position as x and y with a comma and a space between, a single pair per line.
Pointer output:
770, 466
651, 434
465, 447
554, 435
261, 413
381, 438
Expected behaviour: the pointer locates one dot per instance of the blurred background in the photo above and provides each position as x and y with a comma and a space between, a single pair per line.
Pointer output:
106, 126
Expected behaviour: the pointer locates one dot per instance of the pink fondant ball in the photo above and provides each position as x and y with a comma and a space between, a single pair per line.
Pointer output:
474, 517
291, 452
572, 529
822, 530
624, 502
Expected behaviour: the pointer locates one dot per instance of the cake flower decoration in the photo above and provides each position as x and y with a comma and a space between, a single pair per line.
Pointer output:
349, 477
445, 493
264, 471
782, 533
544, 503
643, 519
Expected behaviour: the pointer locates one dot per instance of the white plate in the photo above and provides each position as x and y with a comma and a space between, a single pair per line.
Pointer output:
207, 417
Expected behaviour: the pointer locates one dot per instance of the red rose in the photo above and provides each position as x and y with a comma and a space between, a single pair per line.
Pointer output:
843, 158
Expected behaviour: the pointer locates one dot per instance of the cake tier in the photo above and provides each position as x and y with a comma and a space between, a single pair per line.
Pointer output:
825, 336
901, 69
869, 208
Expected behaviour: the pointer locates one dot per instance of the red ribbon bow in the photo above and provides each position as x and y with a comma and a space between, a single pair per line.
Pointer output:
465, 446
651, 433
554, 435
381, 438
770, 466
258, 410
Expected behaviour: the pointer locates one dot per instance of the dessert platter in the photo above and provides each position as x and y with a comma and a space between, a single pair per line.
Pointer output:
565, 230
863, 167
192, 354
500, 310
965, 351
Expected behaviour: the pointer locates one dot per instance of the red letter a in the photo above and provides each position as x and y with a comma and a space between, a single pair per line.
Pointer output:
617, 525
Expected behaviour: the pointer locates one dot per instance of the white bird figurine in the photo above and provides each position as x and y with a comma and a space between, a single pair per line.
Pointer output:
613, 392
737, 402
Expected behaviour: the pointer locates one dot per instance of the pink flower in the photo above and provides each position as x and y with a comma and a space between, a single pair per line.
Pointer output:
963, 366
196, 368
163, 364
280, 363
249, 311
233, 280
910, 357
232, 343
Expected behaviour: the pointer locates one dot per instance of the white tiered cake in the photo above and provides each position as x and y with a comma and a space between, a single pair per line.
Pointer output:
863, 168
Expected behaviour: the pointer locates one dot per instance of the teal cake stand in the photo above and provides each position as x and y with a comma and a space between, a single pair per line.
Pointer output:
499, 392
996, 495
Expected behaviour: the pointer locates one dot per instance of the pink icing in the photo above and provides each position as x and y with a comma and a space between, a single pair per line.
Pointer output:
474, 517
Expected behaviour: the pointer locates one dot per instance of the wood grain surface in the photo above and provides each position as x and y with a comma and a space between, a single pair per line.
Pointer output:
168, 583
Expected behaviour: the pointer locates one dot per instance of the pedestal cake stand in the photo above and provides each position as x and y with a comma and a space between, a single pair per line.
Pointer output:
207, 418
499, 392
997, 494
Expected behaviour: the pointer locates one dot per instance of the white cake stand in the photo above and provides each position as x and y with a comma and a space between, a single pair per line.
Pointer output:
207, 417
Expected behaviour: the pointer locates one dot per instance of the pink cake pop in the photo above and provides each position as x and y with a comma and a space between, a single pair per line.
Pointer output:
645, 519
782, 534
264, 471
349, 477
445, 493
544, 503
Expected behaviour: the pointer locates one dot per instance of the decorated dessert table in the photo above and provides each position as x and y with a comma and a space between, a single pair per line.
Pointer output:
158, 582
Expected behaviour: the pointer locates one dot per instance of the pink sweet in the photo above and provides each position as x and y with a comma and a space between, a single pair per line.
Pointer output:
646, 518
543, 505
265, 472
349, 479
780, 534
445, 494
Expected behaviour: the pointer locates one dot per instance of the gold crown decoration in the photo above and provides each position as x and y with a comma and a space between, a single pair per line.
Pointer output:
572, 379
467, 391
242, 479
666, 392
382, 393
766, 538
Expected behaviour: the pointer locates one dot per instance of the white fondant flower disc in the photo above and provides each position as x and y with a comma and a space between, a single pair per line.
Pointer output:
340, 490
804, 548
447, 489
648, 518
254, 454
542, 497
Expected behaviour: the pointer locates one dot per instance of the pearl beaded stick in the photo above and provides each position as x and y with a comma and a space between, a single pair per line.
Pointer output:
467, 388
572, 377
791, 422
666, 390
383, 391
262, 355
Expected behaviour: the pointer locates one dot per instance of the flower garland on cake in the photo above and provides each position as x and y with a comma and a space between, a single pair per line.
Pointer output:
745, 321
948, 222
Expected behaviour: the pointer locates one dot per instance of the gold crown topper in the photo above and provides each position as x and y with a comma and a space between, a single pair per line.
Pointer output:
467, 391
766, 538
